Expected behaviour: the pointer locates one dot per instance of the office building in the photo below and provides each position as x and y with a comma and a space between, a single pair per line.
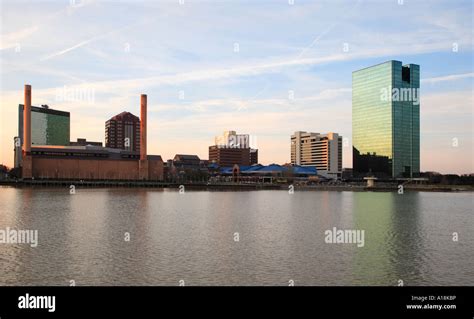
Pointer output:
231, 149
123, 132
231, 139
227, 157
386, 120
48, 126
323, 151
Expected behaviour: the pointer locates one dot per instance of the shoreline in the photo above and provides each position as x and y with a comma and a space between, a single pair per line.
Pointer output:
235, 186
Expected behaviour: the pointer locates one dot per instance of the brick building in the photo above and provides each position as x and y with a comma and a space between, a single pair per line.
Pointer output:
123, 132
88, 162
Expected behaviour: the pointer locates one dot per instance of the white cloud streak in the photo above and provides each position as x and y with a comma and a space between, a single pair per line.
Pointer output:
451, 77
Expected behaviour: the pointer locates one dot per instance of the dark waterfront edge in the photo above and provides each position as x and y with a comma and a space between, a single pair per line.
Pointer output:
394, 187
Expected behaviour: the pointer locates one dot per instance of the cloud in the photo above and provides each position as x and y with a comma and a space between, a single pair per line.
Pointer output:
447, 103
80, 44
243, 70
451, 77
85, 42
13, 39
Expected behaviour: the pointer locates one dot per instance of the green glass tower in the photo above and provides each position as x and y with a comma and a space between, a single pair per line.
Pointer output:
48, 126
386, 120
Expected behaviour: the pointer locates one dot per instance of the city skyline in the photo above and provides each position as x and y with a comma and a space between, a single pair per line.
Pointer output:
291, 75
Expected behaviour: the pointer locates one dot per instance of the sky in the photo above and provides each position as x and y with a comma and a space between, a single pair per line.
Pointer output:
265, 68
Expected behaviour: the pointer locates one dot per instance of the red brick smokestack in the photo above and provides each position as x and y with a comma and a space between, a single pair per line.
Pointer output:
143, 107
27, 121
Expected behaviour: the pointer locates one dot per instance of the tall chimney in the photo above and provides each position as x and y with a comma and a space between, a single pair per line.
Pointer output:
27, 121
143, 107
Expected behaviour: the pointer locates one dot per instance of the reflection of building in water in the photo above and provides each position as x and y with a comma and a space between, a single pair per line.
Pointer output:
393, 245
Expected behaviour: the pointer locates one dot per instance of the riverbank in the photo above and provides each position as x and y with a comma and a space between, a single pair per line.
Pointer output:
239, 186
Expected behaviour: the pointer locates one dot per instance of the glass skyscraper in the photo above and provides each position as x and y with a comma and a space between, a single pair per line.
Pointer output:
386, 120
48, 126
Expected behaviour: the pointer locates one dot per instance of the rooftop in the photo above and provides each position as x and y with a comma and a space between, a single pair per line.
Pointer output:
124, 116
184, 157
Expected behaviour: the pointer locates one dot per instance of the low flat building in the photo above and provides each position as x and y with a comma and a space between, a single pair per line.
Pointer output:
84, 142
269, 173
347, 173
91, 163
184, 161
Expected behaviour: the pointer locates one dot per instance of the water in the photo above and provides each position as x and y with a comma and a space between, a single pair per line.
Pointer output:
190, 237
